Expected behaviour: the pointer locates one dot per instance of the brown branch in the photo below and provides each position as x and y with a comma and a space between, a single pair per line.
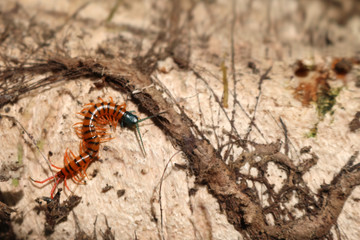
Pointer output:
335, 197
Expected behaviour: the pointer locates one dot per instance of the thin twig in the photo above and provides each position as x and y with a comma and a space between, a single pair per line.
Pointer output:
262, 78
200, 68
113, 10
160, 187
199, 105
289, 140
213, 126
197, 74
233, 73
157, 81
286, 136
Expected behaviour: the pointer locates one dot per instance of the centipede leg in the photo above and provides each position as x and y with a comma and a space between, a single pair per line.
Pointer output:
113, 122
56, 167
78, 129
123, 106
48, 179
78, 123
67, 185
102, 121
43, 181
79, 134
66, 157
81, 147
51, 164
89, 104
76, 179
72, 154
84, 170
100, 129
54, 187
102, 134
102, 140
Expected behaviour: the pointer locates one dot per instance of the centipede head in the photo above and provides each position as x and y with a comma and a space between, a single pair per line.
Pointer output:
130, 120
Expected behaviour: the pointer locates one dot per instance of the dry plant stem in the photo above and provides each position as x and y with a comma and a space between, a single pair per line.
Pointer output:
262, 78
243, 210
160, 202
286, 136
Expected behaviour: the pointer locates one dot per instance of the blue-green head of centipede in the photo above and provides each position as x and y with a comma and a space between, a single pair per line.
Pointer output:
129, 120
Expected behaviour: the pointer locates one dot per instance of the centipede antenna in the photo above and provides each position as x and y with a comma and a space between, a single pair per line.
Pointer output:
138, 129
155, 115
142, 144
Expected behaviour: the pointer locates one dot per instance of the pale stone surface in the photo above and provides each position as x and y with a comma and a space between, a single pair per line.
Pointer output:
267, 34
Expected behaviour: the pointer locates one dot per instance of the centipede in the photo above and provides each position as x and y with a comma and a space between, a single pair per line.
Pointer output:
92, 132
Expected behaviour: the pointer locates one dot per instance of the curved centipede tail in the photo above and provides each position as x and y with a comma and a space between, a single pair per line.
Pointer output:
44, 181
48, 179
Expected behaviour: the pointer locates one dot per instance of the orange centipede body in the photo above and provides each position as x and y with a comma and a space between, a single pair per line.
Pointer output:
92, 132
